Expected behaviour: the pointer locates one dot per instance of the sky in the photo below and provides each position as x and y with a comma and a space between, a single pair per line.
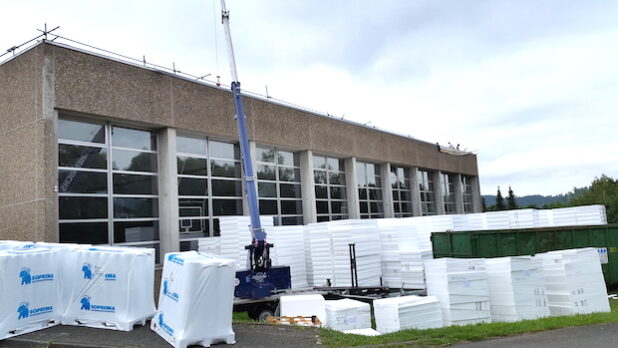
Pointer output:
531, 86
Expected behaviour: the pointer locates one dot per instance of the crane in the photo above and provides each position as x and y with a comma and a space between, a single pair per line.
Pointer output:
261, 279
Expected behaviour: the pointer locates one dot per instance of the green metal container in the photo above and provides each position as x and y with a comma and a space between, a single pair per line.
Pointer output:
497, 243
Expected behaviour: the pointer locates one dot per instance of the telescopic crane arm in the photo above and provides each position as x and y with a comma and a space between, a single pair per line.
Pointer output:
259, 248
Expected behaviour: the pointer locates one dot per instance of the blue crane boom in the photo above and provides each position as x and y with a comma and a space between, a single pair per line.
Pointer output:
261, 278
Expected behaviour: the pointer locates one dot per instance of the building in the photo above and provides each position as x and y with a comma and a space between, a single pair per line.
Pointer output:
97, 150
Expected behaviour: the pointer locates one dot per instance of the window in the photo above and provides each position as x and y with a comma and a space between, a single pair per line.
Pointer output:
209, 185
330, 191
466, 193
278, 176
427, 191
402, 195
107, 184
448, 193
369, 190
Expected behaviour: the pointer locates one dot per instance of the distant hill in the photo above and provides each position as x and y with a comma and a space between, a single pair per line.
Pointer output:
525, 201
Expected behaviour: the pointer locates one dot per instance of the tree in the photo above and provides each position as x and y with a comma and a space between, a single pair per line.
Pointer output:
511, 201
500, 201
483, 205
603, 190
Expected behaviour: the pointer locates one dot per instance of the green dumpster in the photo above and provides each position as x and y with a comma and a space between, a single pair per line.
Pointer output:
497, 243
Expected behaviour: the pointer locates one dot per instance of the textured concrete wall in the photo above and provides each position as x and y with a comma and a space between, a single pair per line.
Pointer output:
99, 86
28, 155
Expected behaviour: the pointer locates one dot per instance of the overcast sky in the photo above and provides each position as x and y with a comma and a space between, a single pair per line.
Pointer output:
531, 85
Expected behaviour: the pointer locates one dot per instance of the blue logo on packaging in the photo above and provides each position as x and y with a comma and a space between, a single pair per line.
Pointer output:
24, 311
175, 259
89, 272
166, 291
28, 278
164, 326
87, 305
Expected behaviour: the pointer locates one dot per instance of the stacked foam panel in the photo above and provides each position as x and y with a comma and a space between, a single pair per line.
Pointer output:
289, 250
407, 312
413, 269
522, 218
320, 254
347, 314
516, 288
462, 288
235, 235
498, 220
365, 237
591, 215
574, 281
210, 245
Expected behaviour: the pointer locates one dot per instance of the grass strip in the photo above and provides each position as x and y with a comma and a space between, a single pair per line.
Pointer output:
454, 334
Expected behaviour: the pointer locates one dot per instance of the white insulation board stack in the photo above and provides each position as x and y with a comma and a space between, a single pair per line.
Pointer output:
289, 250
329, 252
235, 235
347, 314
402, 255
303, 305
108, 287
209, 245
195, 300
29, 289
407, 312
516, 288
462, 288
574, 281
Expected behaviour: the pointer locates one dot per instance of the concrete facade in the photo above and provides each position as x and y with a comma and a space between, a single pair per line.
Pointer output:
51, 79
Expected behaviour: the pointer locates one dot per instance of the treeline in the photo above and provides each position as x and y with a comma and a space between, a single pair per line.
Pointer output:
602, 190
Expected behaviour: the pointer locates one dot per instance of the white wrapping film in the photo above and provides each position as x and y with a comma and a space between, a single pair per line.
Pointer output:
195, 300
110, 287
347, 314
29, 289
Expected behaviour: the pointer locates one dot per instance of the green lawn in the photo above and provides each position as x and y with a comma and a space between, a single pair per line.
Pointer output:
450, 335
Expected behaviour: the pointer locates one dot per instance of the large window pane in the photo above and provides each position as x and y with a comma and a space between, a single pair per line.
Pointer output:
229, 188
72, 181
189, 245
133, 138
322, 207
290, 190
337, 207
84, 232
337, 192
82, 207
321, 191
135, 231
266, 172
268, 207
193, 228
191, 145
134, 161
193, 207
227, 207
289, 174
265, 154
267, 189
319, 177
81, 131
292, 220
335, 164
224, 150
319, 162
287, 158
82, 156
228, 169
192, 165
192, 187
129, 208
135, 184
291, 207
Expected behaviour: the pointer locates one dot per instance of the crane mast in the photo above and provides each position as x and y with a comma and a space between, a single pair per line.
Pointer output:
259, 248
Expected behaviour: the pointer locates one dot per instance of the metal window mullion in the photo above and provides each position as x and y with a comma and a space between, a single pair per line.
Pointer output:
115, 171
110, 185
193, 155
86, 195
190, 176
80, 169
69, 221
82, 143
211, 222
132, 149
278, 182
135, 196
136, 219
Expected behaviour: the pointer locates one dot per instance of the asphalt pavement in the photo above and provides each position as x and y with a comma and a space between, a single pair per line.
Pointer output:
247, 335
594, 336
